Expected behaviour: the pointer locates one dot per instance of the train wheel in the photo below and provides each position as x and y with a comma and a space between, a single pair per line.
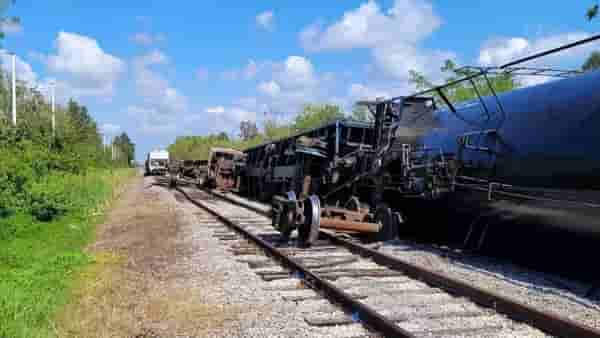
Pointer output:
308, 233
353, 204
286, 222
388, 221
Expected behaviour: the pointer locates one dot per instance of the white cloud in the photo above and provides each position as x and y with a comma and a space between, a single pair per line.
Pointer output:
265, 20
295, 72
220, 118
9, 27
270, 88
498, 51
290, 84
156, 90
85, 65
151, 121
248, 72
397, 60
359, 91
393, 35
146, 39
408, 21
215, 110
154, 57
109, 128
23, 69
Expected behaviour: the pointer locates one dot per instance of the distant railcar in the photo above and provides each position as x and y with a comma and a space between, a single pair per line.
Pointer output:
221, 166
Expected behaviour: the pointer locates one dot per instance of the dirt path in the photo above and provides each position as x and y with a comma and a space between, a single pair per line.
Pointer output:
139, 285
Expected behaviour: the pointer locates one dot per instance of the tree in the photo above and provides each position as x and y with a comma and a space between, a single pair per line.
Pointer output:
222, 136
126, 147
313, 116
592, 62
361, 113
7, 21
464, 91
592, 12
275, 131
248, 130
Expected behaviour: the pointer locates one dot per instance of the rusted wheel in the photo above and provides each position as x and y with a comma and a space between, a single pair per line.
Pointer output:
388, 221
308, 233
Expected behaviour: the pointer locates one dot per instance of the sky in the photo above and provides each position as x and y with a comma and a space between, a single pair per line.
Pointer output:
157, 70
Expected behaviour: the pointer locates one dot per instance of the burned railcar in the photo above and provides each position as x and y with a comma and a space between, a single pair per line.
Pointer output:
221, 168
306, 163
332, 176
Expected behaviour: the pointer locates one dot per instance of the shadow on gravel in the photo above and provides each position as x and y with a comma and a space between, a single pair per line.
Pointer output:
502, 270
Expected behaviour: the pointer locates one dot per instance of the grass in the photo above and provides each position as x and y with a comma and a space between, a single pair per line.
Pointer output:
134, 287
39, 261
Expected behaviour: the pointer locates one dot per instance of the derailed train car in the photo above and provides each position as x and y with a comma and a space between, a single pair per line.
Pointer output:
525, 160
328, 177
221, 166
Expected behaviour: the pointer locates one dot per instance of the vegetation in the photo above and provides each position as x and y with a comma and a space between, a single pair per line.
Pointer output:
361, 113
198, 147
315, 115
5, 21
592, 12
465, 91
592, 62
38, 260
52, 189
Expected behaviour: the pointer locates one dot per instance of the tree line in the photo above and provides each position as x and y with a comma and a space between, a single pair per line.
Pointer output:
198, 147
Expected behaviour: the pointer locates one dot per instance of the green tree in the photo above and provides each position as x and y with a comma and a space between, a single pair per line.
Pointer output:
313, 116
126, 148
7, 20
592, 12
592, 62
464, 91
275, 131
361, 113
248, 130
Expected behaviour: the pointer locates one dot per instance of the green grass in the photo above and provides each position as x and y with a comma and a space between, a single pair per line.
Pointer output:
38, 260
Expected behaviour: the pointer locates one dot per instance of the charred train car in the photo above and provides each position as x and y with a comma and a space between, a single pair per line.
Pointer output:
221, 167
329, 176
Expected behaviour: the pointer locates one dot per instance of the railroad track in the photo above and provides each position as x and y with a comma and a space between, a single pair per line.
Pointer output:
385, 294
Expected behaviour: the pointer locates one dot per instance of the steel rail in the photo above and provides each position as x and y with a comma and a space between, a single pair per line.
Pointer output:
367, 316
542, 320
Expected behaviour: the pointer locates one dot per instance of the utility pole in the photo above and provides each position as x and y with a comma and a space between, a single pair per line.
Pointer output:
52, 84
14, 89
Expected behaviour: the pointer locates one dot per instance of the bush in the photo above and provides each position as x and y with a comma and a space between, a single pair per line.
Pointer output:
49, 197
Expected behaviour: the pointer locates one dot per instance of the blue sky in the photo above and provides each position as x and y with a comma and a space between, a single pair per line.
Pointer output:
158, 70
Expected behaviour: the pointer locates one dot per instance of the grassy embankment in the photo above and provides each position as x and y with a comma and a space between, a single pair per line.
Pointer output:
39, 260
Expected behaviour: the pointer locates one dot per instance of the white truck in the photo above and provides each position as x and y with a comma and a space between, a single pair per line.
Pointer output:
156, 162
